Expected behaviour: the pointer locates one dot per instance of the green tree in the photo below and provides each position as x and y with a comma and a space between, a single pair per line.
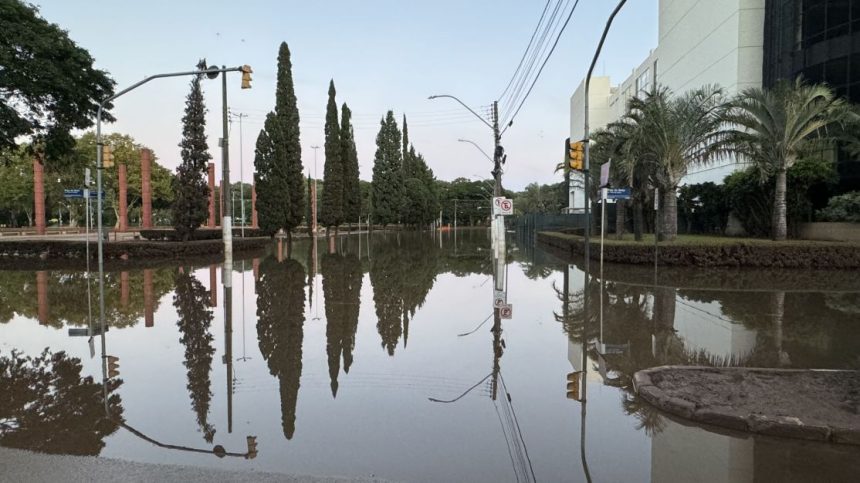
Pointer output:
49, 85
331, 211
16, 197
190, 208
191, 300
278, 158
387, 195
775, 127
673, 134
349, 157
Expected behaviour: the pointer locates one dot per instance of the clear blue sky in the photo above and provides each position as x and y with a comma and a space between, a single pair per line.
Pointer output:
381, 54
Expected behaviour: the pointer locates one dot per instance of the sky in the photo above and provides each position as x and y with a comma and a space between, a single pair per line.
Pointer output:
382, 54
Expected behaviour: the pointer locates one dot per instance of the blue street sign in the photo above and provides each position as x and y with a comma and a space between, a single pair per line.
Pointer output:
618, 193
79, 193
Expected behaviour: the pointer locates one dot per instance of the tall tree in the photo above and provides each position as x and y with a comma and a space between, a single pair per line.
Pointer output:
405, 147
349, 157
341, 283
387, 194
278, 161
775, 127
331, 211
49, 85
191, 300
192, 191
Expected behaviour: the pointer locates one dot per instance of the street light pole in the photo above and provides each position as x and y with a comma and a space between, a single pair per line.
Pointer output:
473, 143
314, 201
227, 216
241, 172
586, 163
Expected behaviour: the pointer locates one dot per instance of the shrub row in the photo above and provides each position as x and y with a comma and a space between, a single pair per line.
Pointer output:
773, 255
167, 234
122, 250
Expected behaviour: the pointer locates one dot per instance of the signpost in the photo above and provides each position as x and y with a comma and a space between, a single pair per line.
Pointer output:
499, 299
502, 206
80, 193
618, 193
506, 311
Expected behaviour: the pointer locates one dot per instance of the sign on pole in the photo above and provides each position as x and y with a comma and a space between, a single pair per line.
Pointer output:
618, 193
604, 173
499, 299
503, 206
80, 193
506, 311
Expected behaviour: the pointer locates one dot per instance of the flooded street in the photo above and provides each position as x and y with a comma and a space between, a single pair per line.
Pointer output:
383, 356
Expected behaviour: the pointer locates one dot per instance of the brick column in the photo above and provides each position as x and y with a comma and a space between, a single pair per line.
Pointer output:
280, 249
211, 171
43, 309
146, 187
123, 289
213, 286
122, 171
254, 206
256, 264
148, 300
39, 194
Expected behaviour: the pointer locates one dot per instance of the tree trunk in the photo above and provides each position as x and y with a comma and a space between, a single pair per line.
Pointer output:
664, 320
620, 218
779, 222
778, 311
638, 218
669, 210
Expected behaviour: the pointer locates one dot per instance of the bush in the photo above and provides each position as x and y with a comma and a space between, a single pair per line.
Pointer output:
166, 234
845, 208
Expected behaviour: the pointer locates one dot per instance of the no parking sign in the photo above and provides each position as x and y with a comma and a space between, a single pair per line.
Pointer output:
503, 206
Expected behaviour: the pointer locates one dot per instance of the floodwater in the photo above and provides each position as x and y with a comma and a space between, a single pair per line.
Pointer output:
383, 356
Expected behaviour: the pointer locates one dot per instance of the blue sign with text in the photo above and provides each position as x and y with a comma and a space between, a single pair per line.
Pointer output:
79, 193
618, 193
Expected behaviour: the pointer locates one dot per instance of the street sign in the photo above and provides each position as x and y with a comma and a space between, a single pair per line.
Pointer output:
618, 193
604, 173
506, 311
79, 193
503, 206
499, 299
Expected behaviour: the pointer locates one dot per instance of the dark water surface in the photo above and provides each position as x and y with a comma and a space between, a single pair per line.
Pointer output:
377, 355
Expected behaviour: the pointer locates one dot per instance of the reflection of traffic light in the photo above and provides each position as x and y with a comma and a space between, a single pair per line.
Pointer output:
246, 76
574, 384
107, 157
252, 448
113, 366
575, 154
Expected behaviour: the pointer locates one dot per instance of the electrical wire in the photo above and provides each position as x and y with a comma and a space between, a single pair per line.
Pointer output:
546, 59
531, 40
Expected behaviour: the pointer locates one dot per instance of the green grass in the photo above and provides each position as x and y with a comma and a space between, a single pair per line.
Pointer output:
697, 240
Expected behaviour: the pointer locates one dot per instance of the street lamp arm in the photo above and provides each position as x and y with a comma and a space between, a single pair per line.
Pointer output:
170, 74
464, 105
473, 143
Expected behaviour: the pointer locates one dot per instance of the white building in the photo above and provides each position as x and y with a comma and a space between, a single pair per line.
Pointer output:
700, 42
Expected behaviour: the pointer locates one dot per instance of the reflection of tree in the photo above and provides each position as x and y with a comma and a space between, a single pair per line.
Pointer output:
280, 324
402, 275
342, 289
191, 300
67, 296
46, 406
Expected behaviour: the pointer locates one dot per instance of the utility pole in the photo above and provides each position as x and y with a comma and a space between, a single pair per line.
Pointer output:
314, 201
227, 223
498, 152
241, 172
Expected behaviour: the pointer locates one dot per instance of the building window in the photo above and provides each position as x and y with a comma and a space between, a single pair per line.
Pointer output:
643, 83
827, 19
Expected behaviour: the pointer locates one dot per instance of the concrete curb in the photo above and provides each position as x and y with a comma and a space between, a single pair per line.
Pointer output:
771, 425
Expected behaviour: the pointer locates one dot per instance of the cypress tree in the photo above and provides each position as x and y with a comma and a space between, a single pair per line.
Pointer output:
272, 199
331, 211
190, 207
387, 190
405, 148
349, 157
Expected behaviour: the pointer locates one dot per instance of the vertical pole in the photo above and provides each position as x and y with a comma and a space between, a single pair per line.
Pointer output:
122, 171
145, 187
586, 134
602, 226
455, 216
39, 194
241, 175
211, 175
227, 228
656, 227
254, 205
497, 158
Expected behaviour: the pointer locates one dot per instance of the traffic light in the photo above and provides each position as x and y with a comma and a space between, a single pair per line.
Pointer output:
107, 157
252, 448
113, 366
246, 76
574, 382
575, 154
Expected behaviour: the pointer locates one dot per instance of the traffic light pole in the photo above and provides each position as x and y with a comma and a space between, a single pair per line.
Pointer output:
586, 165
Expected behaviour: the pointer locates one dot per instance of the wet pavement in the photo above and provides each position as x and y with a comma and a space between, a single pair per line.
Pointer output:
383, 356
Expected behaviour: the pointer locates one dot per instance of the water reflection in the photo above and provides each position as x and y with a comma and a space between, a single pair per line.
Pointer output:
406, 317
280, 329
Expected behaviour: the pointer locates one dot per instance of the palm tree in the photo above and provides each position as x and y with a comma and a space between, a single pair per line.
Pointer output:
671, 134
775, 127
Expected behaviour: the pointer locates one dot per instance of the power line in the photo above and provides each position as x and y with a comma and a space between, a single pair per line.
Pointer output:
558, 37
531, 40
